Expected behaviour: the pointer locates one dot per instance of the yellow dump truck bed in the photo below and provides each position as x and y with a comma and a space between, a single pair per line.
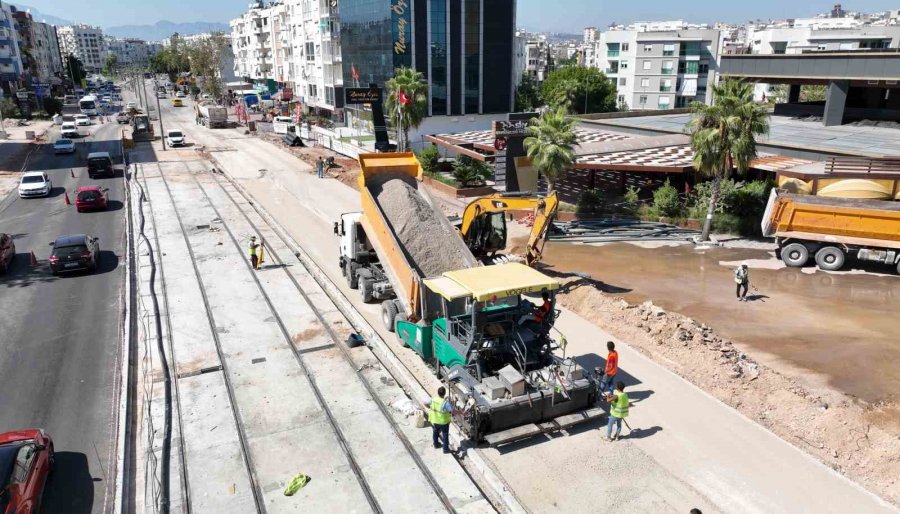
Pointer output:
838, 220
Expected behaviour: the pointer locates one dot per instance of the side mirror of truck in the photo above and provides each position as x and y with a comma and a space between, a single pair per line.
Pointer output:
336, 229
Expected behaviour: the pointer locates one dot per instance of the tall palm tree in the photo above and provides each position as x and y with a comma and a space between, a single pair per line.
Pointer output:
410, 114
550, 143
723, 136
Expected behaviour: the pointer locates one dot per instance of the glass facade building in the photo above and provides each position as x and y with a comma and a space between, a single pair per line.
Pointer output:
463, 48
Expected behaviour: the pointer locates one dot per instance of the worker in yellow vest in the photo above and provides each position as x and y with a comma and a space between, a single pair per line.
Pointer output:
618, 410
439, 412
254, 260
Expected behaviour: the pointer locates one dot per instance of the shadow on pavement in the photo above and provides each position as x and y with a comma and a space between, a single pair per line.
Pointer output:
22, 274
587, 426
583, 281
640, 433
70, 488
107, 261
589, 361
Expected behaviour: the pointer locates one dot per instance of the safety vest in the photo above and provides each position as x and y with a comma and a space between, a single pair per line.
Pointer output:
253, 249
436, 414
741, 275
619, 408
542, 311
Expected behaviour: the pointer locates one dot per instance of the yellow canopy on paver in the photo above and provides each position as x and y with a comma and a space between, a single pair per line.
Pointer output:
485, 282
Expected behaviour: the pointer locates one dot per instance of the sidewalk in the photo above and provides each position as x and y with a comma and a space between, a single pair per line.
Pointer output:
692, 450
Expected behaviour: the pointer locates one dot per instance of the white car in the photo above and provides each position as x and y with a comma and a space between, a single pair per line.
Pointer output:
175, 138
34, 183
69, 129
107, 99
82, 120
64, 146
130, 105
179, 94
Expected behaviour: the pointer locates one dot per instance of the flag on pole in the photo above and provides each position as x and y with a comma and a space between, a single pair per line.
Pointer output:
401, 96
353, 72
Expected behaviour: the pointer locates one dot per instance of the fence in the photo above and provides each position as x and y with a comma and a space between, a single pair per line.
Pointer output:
862, 165
332, 140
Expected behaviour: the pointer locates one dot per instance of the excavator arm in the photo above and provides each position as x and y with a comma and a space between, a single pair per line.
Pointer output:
544, 208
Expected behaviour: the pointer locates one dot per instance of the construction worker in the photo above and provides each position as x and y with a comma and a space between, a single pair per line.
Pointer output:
618, 410
541, 313
320, 167
742, 279
254, 260
439, 411
612, 368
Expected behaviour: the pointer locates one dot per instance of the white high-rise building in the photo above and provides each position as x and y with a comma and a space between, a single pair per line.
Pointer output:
590, 34
10, 58
519, 55
660, 65
84, 42
128, 51
252, 44
45, 48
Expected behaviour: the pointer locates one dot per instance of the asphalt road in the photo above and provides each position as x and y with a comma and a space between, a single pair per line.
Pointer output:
59, 336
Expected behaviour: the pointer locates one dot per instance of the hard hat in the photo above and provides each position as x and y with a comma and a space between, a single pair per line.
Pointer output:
744, 264
252, 237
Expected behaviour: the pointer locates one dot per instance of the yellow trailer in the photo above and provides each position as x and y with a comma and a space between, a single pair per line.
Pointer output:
832, 229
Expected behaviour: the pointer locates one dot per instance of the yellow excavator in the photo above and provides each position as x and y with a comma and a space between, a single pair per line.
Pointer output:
483, 224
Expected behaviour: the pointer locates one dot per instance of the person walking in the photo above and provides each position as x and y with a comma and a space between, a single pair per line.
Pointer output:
618, 410
320, 167
612, 368
439, 411
254, 259
742, 279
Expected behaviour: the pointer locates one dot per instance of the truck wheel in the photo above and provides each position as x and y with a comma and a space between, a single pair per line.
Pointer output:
350, 272
388, 314
365, 289
830, 258
795, 254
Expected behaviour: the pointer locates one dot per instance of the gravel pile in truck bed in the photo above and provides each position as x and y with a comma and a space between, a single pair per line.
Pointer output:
431, 245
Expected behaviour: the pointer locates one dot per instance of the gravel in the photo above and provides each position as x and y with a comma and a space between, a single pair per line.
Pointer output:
429, 242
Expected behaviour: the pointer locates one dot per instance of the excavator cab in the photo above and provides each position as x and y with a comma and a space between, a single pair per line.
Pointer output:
487, 234
483, 224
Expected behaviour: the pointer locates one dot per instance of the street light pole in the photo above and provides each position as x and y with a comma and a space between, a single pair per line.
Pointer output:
162, 132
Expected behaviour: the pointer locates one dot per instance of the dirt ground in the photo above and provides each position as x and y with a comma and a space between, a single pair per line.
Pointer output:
346, 171
780, 374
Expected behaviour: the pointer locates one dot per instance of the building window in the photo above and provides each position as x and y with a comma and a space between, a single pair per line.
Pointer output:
612, 49
621, 100
665, 85
313, 93
667, 68
329, 95
681, 66
438, 56
623, 65
692, 67
310, 49
648, 48
622, 81
691, 48
472, 54
663, 102
642, 99
703, 68
645, 83
647, 65
668, 50
624, 47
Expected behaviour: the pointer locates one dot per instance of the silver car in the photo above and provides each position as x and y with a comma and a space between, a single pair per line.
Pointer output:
64, 146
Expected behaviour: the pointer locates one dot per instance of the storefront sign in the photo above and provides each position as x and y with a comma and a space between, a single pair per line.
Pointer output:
401, 20
510, 128
362, 95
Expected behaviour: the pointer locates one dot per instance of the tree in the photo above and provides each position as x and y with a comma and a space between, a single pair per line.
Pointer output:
110, 64
549, 144
528, 94
205, 58
723, 136
8, 108
470, 172
52, 105
411, 112
573, 86
75, 69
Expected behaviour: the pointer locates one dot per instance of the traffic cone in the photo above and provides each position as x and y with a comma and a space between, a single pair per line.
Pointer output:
68, 202
34, 261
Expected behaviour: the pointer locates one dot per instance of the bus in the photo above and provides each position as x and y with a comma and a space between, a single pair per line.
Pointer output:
88, 105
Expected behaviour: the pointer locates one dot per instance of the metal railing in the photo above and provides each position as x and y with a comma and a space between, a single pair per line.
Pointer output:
862, 165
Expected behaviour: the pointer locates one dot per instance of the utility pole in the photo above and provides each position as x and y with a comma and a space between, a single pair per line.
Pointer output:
162, 132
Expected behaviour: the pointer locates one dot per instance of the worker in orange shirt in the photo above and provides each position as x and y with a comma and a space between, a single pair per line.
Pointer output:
612, 368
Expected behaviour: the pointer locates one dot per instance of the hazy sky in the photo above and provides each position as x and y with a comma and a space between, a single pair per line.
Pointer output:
552, 15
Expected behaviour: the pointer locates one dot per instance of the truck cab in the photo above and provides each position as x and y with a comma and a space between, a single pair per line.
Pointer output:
359, 262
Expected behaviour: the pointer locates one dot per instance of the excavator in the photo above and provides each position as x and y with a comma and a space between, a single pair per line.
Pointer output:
483, 224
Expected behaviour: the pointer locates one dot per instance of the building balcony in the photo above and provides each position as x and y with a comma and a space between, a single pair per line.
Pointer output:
5, 41
611, 71
612, 53
665, 89
6, 60
668, 71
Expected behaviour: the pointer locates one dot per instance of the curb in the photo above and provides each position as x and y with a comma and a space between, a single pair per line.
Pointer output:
397, 369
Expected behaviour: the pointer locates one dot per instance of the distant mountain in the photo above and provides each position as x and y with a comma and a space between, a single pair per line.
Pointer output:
39, 16
163, 29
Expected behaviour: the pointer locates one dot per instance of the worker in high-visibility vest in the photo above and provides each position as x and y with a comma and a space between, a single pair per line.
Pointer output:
254, 260
618, 410
439, 412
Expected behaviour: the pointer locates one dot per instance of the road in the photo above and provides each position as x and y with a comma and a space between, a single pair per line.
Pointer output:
59, 350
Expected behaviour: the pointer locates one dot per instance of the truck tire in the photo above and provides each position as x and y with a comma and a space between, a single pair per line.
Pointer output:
350, 272
830, 258
795, 254
388, 314
365, 289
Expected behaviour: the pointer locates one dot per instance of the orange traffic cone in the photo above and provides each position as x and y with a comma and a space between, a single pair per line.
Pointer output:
34, 261
68, 202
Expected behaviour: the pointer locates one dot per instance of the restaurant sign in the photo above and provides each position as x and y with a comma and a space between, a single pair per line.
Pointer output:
362, 95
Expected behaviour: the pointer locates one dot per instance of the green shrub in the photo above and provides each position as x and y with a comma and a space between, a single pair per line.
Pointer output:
429, 159
666, 201
631, 202
470, 172
590, 201
8, 108
52, 105
740, 205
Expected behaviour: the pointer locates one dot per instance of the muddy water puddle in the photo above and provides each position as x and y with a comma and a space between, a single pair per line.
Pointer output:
840, 325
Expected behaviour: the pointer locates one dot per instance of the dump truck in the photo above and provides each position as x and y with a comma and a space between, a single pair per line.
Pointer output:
474, 325
141, 128
830, 230
211, 115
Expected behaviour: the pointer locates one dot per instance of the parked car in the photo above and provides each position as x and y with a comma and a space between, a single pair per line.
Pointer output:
90, 198
34, 183
64, 146
7, 252
100, 164
177, 102
160, 94
73, 253
69, 99
175, 138
68, 129
82, 120
122, 117
26, 460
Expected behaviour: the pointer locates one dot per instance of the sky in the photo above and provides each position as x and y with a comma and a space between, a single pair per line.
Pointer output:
535, 15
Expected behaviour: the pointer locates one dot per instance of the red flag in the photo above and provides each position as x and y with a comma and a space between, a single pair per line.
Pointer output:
401, 95
353, 72
764, 97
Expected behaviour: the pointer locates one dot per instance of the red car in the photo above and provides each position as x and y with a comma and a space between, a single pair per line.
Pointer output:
90, 198
26, 459
7, 252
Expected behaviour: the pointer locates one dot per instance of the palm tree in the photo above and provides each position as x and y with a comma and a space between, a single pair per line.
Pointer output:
412, 84
550, 143
723, 136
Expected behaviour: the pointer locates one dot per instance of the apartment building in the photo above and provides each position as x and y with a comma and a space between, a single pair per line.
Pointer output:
590, 34
84, 42
660, 65
537, 58
128, 51
519, 51
48, 61
10, 58
315, 62
251, 38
